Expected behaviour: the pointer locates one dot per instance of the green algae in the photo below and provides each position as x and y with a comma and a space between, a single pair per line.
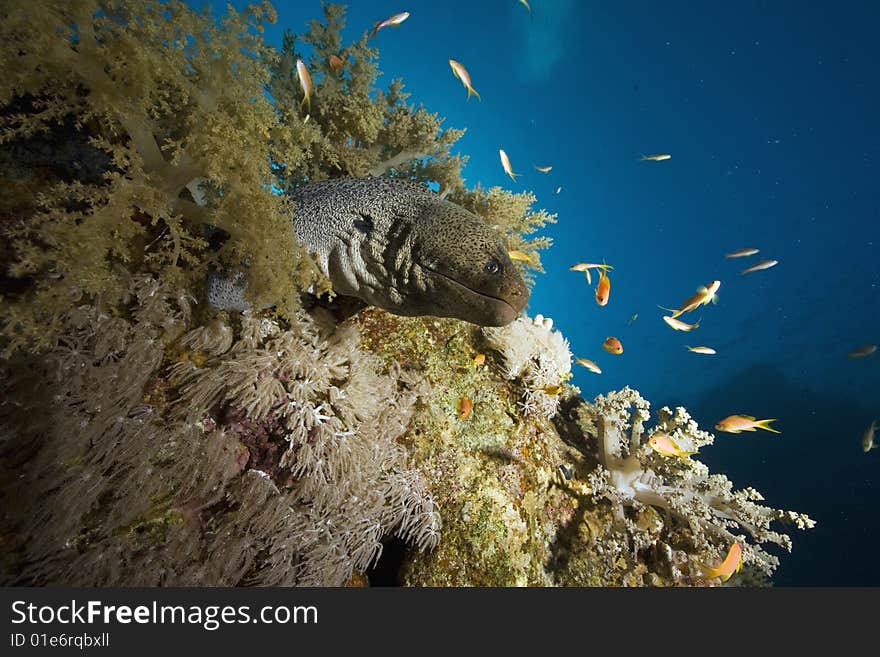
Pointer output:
495, 474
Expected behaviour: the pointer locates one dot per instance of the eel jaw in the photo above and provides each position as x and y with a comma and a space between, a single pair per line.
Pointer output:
495, 311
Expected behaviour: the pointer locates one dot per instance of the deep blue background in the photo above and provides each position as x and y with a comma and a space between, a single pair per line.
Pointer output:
769, 110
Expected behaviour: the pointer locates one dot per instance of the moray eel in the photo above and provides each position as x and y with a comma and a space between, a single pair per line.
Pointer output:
397, 245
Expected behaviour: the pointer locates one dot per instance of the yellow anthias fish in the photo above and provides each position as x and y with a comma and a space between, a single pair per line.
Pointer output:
525, 3
590, 365
868, 438
543, 169
505, 164
551, 389
612, 345
679, 325
395, 20
479, 359
336, 62
703, 296
305, 81
764, 264
709, 351
461, 73
731, 564
519, 255
603, 289
656, 158
863, 351
740, 253
740, 423
665, 446
586, 267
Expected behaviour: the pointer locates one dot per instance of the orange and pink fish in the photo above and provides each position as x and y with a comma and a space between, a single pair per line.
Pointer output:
740, 423
730, 565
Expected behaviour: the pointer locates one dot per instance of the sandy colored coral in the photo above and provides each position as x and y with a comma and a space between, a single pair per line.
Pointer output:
537, 357
702, 505
271, 461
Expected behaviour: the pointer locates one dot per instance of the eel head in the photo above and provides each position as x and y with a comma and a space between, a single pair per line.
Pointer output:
465, 270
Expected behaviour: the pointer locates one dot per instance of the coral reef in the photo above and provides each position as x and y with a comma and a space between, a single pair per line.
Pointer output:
702, 504
562, 491
355, 129
168, 98
270, 458
146, 439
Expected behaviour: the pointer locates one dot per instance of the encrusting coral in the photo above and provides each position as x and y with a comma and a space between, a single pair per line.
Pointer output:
148, 439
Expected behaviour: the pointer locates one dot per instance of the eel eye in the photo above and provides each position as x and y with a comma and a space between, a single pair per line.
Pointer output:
365, 223
493, 267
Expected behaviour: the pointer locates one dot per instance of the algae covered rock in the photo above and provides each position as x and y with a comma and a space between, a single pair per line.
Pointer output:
538, 487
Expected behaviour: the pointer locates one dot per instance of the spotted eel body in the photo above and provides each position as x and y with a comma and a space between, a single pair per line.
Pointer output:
397, 245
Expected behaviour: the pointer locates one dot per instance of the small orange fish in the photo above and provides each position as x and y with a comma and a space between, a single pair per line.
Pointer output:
758, 266
505, 164
603, 289
656, 158
395, 20
305, 81
679, 325
665, 446
709, 351
731, 564
336, 62
543, 169
590, 365
740, 423
612, 345
863, 351
703, 296
461, 73
479, 359
740, 253
465, 405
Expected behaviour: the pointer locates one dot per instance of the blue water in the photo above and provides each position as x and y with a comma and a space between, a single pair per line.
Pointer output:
769, 111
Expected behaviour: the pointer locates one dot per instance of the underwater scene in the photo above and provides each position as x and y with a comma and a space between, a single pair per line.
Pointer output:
502, 293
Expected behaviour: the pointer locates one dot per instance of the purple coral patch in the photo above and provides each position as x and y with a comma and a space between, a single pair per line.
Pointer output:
265, 441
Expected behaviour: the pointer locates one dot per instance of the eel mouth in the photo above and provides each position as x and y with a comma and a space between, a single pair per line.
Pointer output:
502, 309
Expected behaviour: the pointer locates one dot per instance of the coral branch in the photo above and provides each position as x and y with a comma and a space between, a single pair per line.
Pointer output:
633, 473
